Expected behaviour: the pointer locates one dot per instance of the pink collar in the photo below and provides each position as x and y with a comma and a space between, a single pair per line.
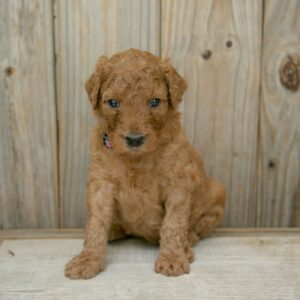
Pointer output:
106, 141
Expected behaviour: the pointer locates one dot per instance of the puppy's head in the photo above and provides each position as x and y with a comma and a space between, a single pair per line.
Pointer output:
134, 94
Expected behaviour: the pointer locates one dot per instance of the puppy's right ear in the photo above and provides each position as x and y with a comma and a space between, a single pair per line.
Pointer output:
175, 83
94, 83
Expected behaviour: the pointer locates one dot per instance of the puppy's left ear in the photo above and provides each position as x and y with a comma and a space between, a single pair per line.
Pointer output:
175, 83
94, 83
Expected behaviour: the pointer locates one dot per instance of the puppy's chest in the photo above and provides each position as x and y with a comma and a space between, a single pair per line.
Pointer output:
139, 200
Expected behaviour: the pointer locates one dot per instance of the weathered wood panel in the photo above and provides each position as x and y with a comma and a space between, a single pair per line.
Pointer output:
28, 169
216, 45
223, 49
279, 152
85, 30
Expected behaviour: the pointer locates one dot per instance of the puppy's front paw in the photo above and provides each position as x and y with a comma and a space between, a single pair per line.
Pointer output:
172, 265
83, 266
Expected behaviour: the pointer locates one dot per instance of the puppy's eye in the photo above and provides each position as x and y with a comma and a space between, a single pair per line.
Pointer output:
113, 103
154, 102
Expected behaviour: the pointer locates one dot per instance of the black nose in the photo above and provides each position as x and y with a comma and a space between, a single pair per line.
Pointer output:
135, 140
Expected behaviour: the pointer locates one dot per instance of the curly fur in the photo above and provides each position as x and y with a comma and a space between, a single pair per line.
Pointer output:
159, 191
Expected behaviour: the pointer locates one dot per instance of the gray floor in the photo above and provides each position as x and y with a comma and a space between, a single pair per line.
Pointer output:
227, 266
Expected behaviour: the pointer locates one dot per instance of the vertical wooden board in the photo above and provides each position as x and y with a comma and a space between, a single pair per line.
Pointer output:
279, 155
84, 31
28, 166
216, 45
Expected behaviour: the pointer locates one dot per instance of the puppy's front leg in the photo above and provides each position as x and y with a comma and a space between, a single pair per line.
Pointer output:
92, 257
175, 252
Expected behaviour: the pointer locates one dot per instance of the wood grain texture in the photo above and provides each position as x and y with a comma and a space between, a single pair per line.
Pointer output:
76, 233
28, 168
237, 112
279, 155
84, 31
226, 267
216, 45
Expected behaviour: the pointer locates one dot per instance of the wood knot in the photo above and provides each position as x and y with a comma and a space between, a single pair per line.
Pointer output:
290, 72
9, 71
206, 54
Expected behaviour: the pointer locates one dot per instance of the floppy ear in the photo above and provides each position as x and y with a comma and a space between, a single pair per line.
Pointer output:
175, 83
94, 83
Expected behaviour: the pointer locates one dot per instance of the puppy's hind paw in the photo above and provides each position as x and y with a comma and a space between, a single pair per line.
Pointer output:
189, 254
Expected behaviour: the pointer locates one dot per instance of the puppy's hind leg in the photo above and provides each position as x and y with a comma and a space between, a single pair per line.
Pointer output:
206, 222
116, 233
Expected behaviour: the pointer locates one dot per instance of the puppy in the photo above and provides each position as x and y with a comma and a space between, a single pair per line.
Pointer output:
145, 179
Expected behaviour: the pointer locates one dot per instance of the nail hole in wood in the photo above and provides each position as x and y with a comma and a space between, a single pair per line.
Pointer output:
9, 71
271, 164
206, 54
229, 44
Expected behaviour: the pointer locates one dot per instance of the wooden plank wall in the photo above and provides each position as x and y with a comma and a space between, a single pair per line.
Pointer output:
217, 46
28, 153
279, 132
237, 111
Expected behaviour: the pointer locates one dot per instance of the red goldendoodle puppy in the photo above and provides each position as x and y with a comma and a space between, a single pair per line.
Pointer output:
145, 179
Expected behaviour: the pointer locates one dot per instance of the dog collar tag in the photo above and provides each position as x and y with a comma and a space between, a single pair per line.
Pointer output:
106, 141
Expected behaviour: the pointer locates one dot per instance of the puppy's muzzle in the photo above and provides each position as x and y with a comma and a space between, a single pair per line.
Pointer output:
134, 140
